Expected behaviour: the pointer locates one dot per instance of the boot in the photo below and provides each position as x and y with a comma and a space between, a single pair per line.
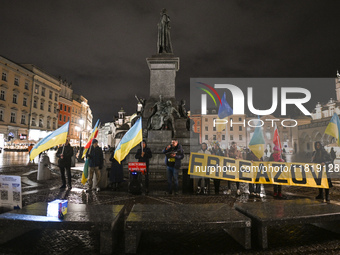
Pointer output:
327, 196
320, 196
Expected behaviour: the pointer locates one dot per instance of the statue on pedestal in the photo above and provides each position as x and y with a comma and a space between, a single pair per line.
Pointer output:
164, 41
156, 119
181, 109
169, 119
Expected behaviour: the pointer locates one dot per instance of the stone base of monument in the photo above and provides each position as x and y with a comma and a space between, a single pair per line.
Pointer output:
157, 140
280, 212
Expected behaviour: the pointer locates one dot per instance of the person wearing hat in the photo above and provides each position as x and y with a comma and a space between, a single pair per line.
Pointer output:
95, 156
276, 156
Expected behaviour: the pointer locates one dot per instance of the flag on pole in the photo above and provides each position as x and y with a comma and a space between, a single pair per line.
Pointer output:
276, 138
333, 128
57, 137
93, 135
132, 137
223, 112
256, 144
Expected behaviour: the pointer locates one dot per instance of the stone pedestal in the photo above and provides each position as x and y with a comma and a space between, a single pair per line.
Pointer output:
163, 68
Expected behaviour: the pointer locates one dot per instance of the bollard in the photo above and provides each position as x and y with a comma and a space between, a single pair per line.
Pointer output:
44, 172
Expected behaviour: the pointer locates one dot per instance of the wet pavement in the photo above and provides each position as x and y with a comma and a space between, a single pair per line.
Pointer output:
293, 239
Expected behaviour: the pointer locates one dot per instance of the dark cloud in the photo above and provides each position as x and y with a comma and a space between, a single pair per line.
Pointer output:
101, 46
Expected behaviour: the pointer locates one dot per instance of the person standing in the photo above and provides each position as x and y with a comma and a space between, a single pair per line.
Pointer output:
254, 188
95, 156
116, 175
204, 150
29, 148
174, 154
216, 150
276, 157
65, 154
333, 155
143, 155
321, 156
234, 153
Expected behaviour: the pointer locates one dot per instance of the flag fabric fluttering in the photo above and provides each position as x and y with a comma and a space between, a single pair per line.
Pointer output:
333, 128
276, 138
223, 112
93, 135
132, 137
56, 138
256, 144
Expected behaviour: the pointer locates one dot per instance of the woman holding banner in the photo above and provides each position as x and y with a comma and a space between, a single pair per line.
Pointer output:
321, 156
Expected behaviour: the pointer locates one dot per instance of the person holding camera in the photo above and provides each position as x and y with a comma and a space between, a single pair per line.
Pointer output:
95, 156
174, 154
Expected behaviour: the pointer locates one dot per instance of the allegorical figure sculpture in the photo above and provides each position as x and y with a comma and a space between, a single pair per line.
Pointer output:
156, 119
164, 41
169, 119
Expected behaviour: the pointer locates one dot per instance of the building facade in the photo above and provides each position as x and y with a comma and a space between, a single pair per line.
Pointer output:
15, 101
44, 105
65, 103
313, 131
34, 103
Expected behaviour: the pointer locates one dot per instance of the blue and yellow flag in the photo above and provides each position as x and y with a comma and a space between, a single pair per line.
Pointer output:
57, 137
256, 144
333, 128
223, 112
132, 137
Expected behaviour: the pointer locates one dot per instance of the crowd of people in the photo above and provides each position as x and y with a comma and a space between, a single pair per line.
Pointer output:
173, 154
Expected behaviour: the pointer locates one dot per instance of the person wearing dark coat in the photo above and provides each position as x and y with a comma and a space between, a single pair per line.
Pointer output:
254, 188
144, 155
116, 172
95, 156
216, 150
321, 156
65, 154
174, 154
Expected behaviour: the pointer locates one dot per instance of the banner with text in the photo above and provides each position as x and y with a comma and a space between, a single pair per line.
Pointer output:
239, 170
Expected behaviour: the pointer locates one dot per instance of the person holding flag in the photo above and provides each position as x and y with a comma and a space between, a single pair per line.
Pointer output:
65, 154
95, 159
93, 135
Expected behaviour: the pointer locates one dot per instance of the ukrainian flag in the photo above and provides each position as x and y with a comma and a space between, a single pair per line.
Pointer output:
333, 128
132, 137
256, 144
223, 112
57, 137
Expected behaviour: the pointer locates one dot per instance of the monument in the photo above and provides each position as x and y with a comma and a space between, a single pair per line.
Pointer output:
164, 117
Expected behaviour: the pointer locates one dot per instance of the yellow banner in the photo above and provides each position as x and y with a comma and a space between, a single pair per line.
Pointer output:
239, 170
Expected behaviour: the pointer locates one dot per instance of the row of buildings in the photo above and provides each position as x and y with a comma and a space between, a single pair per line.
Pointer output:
34, 103
300, 138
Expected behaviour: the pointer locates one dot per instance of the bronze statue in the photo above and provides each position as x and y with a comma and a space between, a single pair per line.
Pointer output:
164, 41
156, 119
181, 109
169, 119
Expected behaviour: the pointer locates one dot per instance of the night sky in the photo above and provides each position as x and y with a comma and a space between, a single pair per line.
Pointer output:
101, 46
